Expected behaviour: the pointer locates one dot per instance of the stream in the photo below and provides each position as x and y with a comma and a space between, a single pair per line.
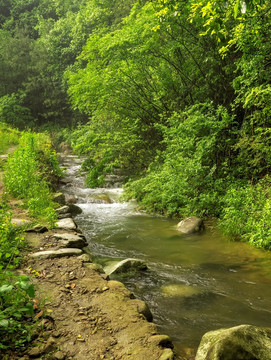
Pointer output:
194, 284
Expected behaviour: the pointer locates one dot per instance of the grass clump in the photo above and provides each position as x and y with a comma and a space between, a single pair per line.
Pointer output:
28, 173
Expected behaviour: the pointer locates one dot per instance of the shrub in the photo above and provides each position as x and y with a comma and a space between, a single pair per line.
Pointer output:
246, 213
27, 173
194, 171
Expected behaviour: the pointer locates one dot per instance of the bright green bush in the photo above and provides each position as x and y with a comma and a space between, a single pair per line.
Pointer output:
194, 171
16, 311
28, 171
10, 242
8, 137
246, 213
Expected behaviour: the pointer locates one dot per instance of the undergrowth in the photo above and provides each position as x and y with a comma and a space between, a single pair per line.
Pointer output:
16, 292
29, 172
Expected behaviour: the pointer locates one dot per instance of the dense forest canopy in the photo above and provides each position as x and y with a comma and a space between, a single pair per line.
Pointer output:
173, 94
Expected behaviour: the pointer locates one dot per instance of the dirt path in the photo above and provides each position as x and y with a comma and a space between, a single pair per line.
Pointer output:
82, 314
86, 315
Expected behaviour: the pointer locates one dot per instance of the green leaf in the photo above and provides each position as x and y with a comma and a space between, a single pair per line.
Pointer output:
4, 323
4, 289
236, 8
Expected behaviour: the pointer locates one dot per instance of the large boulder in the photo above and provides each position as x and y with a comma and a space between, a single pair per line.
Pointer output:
244, 342
125, 266
191, 225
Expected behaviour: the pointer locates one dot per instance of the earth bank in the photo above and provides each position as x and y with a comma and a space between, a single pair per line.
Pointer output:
86, 315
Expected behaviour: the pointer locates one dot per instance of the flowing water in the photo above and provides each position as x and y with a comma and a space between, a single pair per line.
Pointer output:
194, 284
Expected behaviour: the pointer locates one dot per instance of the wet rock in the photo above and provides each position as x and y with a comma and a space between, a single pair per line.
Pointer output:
125, 266
63, 210
244, 342
66, 224
191, 225
85, 258
71, 240
71, 199
100, 199
167, 355
20, 223
64, 216
143, 309
50, 254
179, 290
59, 198
39, 229
74, 209
162, 340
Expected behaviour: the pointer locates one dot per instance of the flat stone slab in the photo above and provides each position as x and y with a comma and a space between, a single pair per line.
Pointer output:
125, 266
39, 229
67, 236
18, 223
50, 254
63, 210
66, 224
71, 240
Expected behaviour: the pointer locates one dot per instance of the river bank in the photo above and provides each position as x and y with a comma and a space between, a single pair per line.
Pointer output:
80, 313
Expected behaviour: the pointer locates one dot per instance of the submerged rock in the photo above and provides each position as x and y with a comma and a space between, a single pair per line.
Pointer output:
191, 225
244, 342
66, 224
125, 266
50, 254
179, 290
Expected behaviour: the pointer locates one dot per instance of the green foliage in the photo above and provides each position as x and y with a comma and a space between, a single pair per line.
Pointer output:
27, 173
194, 171
16, 311
10, 242
8, 137
16, 292
12, 111
246, 213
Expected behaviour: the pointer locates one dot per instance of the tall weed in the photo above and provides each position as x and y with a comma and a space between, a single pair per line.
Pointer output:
28, 172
